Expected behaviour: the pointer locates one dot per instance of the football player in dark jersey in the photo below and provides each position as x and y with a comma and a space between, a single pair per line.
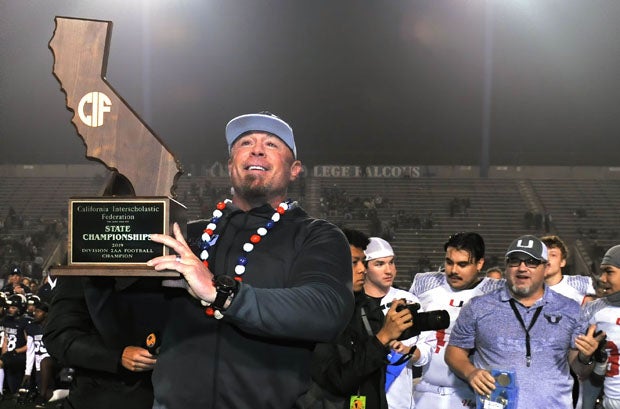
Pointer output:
37, 357
13, 358
32, 301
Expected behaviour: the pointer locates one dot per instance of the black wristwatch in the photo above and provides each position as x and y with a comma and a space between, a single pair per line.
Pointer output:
226, 287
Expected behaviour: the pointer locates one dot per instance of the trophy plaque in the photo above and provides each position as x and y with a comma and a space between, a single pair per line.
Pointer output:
117, 231
109, 235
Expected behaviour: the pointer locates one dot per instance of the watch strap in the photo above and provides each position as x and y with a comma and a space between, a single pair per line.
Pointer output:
226, 287
220, 299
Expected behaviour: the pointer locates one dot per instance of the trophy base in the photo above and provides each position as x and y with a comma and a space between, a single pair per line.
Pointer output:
112, 271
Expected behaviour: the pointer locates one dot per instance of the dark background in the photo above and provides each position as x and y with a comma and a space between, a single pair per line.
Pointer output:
361, 82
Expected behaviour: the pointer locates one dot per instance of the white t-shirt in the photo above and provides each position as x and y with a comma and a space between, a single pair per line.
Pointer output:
400, 393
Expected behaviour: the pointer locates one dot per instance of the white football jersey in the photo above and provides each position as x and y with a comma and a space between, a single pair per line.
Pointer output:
435, 293
607, 318
574, 287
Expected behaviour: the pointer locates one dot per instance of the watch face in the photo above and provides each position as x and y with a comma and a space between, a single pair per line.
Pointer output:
225, 282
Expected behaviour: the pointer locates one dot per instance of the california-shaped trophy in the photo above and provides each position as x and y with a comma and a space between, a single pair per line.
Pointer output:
110, 235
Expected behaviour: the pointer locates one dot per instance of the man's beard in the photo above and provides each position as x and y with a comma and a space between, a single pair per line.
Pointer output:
256, 193
523, 291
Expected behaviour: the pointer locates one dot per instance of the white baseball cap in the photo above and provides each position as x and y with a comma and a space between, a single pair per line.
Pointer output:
378, 248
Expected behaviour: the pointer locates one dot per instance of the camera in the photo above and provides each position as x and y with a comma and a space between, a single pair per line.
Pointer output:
424, 321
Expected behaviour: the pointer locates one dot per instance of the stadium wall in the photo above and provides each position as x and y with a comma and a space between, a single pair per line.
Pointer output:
374, 171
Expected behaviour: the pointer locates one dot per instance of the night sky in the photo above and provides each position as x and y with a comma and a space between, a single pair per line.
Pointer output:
361, 82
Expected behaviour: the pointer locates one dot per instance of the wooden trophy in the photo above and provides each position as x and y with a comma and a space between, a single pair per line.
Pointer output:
109, 235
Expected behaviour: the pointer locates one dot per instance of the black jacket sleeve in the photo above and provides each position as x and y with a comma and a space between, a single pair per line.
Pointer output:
70, 335
317, 301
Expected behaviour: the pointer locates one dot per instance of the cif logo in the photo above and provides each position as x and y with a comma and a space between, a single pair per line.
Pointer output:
99, 103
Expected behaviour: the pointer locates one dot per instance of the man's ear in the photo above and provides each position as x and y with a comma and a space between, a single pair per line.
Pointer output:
479, 264
296, 168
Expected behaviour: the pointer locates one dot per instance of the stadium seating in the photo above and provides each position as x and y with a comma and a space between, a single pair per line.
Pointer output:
415, 214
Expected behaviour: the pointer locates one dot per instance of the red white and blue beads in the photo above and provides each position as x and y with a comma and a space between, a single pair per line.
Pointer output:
209, 238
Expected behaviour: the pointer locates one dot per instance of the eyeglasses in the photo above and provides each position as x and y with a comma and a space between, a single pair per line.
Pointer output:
516, 262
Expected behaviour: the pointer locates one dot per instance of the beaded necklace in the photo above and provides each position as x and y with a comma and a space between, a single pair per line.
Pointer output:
209, 238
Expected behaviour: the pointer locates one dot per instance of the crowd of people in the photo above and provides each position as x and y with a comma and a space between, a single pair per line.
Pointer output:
277, 309
27, 372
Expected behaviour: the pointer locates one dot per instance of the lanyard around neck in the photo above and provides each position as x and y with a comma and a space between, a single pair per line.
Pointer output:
528, 351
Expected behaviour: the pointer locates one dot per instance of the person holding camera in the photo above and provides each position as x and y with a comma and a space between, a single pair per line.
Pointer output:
354, 365
439, 388
542, 334
380, 274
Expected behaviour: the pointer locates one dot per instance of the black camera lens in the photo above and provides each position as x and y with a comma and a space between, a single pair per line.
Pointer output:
424, 321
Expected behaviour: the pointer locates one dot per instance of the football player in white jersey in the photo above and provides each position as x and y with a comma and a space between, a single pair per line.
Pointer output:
439, 387
605, 313
575, 287
380, 274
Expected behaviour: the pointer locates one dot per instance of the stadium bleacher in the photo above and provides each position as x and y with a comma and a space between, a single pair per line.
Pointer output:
415, 214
